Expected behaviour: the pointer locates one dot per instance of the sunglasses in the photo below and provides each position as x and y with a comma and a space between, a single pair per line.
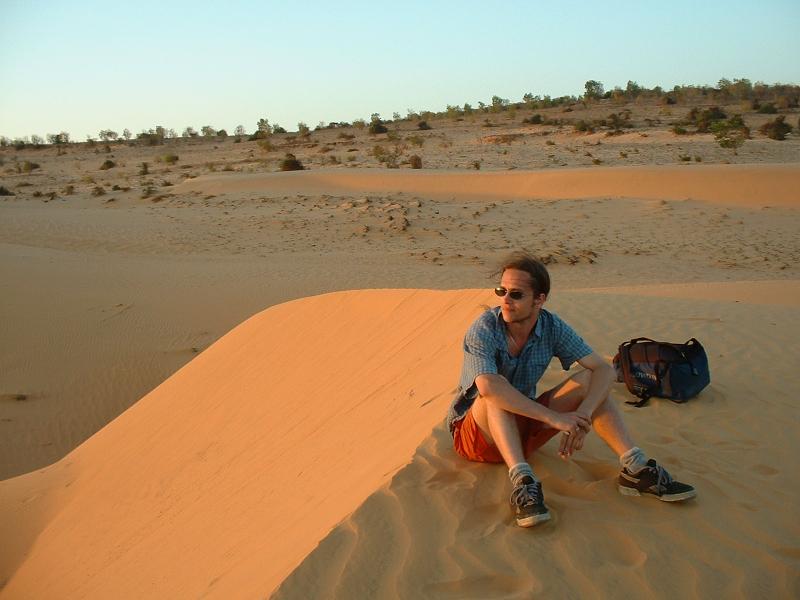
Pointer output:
515, 294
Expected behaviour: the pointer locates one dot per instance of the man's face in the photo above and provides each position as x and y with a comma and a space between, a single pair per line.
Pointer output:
527, 307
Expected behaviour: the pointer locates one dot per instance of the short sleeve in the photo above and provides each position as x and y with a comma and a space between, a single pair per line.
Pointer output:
569, 346
480, 354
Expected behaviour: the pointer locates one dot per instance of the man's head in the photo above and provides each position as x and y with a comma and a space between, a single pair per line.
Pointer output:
527, 278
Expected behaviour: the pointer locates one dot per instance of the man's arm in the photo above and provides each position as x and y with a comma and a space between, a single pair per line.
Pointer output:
507, 397
600, 380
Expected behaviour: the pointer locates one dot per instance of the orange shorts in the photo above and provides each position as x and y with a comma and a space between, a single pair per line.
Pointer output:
469, 442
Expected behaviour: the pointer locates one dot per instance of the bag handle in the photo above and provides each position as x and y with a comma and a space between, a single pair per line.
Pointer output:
677, 347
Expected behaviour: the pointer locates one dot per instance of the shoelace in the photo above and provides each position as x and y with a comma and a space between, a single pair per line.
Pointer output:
525, 495
664, 478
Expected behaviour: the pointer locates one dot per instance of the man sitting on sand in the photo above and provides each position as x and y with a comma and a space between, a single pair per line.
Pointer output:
494, 417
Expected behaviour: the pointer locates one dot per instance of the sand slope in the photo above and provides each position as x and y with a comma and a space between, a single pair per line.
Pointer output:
227, 474
220, 481
774, 185
442, 529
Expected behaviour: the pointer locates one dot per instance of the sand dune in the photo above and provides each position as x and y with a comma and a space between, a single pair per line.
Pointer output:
224, 478
749, 185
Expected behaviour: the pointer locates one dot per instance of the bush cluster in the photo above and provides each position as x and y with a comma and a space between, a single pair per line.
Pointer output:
702, 119
290, 163
377, 126
776, 129
108, 164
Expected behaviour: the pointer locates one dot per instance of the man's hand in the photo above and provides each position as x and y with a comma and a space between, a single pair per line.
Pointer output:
575, 427
570, 422
571, 443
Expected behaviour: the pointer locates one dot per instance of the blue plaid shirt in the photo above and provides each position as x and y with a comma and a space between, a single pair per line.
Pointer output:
486, 351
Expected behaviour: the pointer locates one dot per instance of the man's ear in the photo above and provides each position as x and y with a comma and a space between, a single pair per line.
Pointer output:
540, 300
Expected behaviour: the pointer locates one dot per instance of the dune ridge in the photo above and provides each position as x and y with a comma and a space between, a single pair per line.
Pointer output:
222, 480
744, 185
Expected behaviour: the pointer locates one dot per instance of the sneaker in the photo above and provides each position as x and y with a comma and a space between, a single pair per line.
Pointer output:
653, 480
527, 500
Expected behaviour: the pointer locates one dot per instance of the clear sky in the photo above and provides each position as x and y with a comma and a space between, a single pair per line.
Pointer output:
84, 65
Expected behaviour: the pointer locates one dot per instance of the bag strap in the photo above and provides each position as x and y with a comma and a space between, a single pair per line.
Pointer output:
630, 382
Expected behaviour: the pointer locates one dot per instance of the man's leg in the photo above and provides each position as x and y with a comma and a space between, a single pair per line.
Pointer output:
639, 475
607, 421
501, 428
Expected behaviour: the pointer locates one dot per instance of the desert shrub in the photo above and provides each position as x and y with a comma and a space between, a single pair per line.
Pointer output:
222, 133
416, 140
684, 157
378, 151
346, 136
37, 194
108, 164
5, 191
767, 109
278, 129
228, 167
596, 161
27, 166
359, 123
731, 133
698, 158
583, 126
170, 159
266, 145
423, 126
302, 128
144, 169
238, 140
392, 136
377, 127
476, 164
623, 154
678, 130
147, 191
415, 161
702, 119
290, 163
534, 119
150, 139
550, 143
776, 129
68, 190
98, 191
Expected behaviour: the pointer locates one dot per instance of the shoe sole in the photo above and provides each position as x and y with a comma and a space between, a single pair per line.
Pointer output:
533, 520
626, 491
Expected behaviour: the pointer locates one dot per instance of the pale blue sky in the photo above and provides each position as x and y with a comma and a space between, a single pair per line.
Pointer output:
82, 66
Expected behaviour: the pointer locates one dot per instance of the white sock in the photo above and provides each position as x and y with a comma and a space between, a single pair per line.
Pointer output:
634, 460
520, 470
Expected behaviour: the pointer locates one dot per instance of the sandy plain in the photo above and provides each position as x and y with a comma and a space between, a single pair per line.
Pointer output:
216, 469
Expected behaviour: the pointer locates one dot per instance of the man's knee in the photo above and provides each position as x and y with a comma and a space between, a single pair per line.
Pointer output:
569, 395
